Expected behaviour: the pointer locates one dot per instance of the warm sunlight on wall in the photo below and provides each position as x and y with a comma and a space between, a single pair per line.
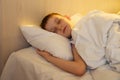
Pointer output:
82, 6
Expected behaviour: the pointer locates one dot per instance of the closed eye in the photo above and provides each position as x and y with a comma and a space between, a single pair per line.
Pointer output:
59, 20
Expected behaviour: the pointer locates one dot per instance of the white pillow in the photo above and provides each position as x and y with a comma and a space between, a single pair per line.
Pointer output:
57, 45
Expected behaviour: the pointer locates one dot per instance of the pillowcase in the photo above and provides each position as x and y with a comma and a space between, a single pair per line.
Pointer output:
57, 45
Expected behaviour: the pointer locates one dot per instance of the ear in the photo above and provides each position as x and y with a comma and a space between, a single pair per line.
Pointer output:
68, 17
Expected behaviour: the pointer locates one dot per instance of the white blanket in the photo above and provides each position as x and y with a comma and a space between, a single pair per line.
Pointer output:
97, 39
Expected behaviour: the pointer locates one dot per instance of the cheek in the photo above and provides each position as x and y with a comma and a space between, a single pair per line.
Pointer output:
61, 33
69, 31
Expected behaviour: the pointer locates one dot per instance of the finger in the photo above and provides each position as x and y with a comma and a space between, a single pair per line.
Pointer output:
39, 52
38, 49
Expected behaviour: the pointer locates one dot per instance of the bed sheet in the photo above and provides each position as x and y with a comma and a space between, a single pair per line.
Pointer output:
25, 64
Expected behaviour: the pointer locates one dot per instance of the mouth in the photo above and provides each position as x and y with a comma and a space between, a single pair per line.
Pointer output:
64, 29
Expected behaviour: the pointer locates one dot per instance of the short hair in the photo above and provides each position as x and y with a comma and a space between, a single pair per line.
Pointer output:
45, 19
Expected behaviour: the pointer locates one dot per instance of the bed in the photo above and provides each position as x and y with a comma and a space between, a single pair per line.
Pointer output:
25, 64
30, 66
21, 12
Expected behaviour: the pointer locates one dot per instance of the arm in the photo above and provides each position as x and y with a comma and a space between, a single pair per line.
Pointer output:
77, 66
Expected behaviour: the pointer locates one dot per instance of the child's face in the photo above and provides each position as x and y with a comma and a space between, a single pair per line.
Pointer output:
60, 25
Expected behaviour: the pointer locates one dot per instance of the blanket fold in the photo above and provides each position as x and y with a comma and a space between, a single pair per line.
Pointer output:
97, 38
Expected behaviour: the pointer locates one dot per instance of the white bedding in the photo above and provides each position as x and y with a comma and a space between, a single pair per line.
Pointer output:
25, 64
97, 39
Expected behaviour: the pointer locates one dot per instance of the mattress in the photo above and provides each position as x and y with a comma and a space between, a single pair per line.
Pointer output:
26, 64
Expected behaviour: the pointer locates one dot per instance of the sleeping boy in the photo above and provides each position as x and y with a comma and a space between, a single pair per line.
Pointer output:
95, 38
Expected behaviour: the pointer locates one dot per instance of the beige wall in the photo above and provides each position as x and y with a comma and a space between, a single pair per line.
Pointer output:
13, 13
0, 35
81, 6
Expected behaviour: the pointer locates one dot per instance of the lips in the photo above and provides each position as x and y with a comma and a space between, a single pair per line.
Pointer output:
64, 29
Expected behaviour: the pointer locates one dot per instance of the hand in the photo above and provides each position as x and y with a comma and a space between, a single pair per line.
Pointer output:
43, 53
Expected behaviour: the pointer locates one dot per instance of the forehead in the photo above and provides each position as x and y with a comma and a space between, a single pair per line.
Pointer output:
53, 18
51, 22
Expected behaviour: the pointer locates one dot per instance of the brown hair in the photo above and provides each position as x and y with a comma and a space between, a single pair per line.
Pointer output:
45, 19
